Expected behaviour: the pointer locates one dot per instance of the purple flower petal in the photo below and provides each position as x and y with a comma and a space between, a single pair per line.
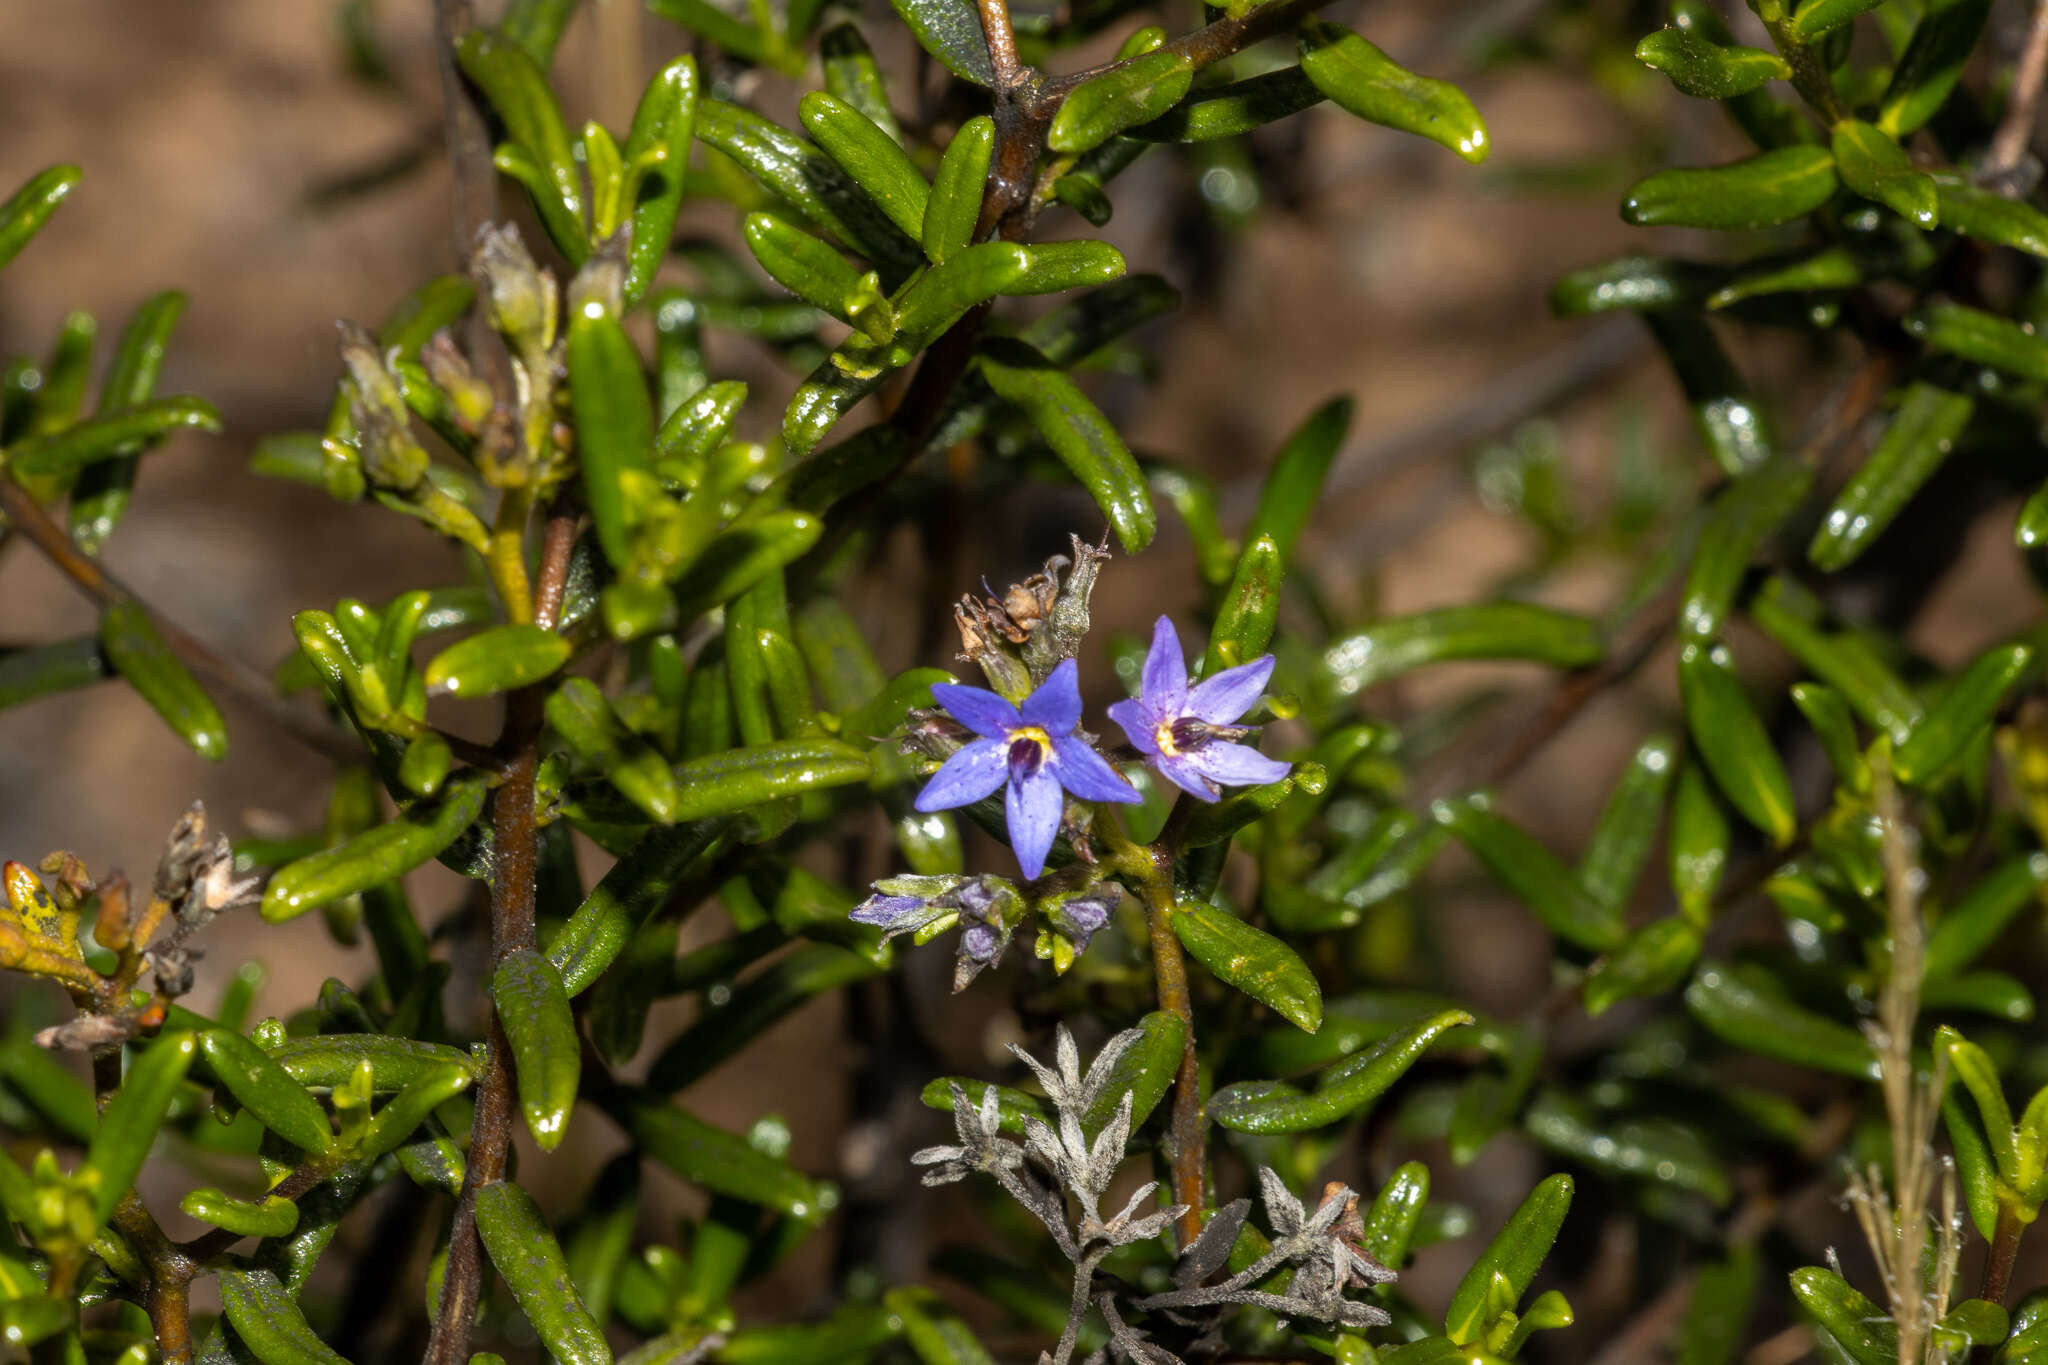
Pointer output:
1087, 775
1033, 807
976, 771
977, 708
1223, 698
1236, 765
1139, 723
1182, 772
1056, 706
1164, 683
887, 911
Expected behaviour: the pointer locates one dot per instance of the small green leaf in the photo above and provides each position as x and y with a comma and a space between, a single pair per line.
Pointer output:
1637, 284
800, 263
1920, 437
40, 670
527, 1256
404, 1113
1364, 81
1844, 660
1976, 921
954, 208
1875, 166
1762, 191
1252, 960
1078, 433
377, 856
1816, 17
720, 1161
1135, 92
1929, 68
1644, 1149
951, 31
1745, 515
100, 495
501, 659
1516, 1253
1341, 1091
1621, 841
1652, 960
271, 1217
614, 426
1981, 337
1533, 875
264, 1088
29, 207
855, 78
1962, 713
1736, 430
130, 1122
1235, 109
664, 124
1718, 1313
63, 454
1059, 266
1389, 1225
870, 157
1012, 1106
1700, 67
130, 641
1730, 737
583, 718
1294, 484
518, 90
268, 1319
1987, 216
1486, 630
792, 982
1972, 1066
1250, 610
547, 1055
328, 1060
1864, 1330
1748, 1008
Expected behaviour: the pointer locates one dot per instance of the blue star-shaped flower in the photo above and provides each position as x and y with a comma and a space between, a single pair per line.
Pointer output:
1188, 735
1033, 749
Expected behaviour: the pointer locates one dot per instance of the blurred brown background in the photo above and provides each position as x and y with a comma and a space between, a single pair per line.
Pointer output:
230, 150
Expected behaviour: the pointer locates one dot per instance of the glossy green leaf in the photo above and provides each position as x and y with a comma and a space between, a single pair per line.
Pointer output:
1701, 67
1974, 923
135, 650
1012, 1106
1251, 960
328, 1060
100, 495
1743, 518
1736, 430
1294, 483
1762, 191
954, 207
1486, 630
271, 1217
1866, 1331
1816, 17
1250, 610
1533, 875
664, 123
1651, 1149
854, 77
1842, 659
1621, 841
1929, 68
518, 90
1364, 81
1652, 960
537, 25
41, 670
1389, 1225
402, 1115
377, 856
131, 1119
1981, 337
802, 264
1078, 433
951, 31
264, 1088
1341, 1091
29, 207
1730, 738
1987, 216
699, 424
64, 454
1516, 1253
870, 157
1056, 267
579, 713
1717, 1316
1962, 713
547, 1055
1746, 1007
268, 1319
1638, 284
1920, 437
720, 1161
524, 1250
1235, 109
1872, 164
501, 659
614, 425
1972, 1066
1137, 91
1697, 849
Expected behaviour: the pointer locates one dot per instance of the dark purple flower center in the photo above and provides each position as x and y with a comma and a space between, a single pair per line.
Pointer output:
1028, 749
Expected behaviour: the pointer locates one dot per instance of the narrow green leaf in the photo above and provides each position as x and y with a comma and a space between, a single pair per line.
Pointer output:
1842, 659
29, 207
271, 1217
1294, 483
547, 1055
1816, 17
1389, 1225
1762, 191
1748, 1008
855, 78
1486, 630
870, 157
100, 496
1652, 1149
1737, 431
1962, 713
664, 124
1250, 610
63, 454
1637, 284
132, 1118
1652, 960
1251, 960
1078, 433
1620, 843
518, 90
580, 714
1533, 875
935, 1333
1730, 737
951, 31
1929, 68
741, 557
501, 659
721, 1033
537, 25
1235, 109
614, 424
264, 1088
1516, 1253
1059, 266
404, 1113
1341, 1091
135, 650
377, 856
1920, 437
1863, 1329
328, 1060
1717, 1316
1363, 80
1981, 337
1746, 514
1976, 921
1989, 217
40, 670
720, 1161
698, 424
1136, 92
1875, 166
954, 208
1972, 1066
1700, 67
268, 1319
527, 1256
802, 264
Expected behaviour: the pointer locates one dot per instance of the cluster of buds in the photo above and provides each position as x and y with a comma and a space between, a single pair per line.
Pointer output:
39, 931
989, 910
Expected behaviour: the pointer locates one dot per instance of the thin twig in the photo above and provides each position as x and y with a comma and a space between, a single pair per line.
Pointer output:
2016, 129
247, 685
1002, 43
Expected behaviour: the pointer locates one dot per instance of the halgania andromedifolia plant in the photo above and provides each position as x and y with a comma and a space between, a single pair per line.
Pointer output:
1233, 880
